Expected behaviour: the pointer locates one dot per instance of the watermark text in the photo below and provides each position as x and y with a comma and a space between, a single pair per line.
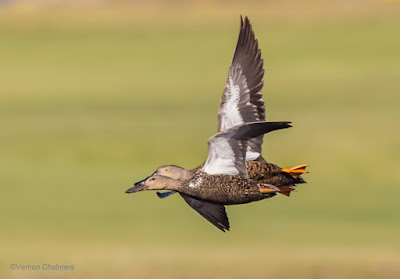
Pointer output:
45, 267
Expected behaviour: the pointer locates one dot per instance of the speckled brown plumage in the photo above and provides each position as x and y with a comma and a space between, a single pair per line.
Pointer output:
271, 174
266, 173
224, 189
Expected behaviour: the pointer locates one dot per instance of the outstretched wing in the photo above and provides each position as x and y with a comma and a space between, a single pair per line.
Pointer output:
227, 149
214, 213
242, 100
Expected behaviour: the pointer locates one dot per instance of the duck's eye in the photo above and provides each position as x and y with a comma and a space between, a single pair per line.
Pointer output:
166, 169
153, 178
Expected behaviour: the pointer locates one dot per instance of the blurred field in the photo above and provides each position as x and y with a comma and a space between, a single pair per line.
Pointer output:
94, 98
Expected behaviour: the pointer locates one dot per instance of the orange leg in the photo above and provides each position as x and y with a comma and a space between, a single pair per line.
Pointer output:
266, 190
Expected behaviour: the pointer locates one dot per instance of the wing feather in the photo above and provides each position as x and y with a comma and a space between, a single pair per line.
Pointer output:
214, 213
227, 149
242, 100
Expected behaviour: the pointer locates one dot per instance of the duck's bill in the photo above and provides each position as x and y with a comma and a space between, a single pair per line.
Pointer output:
135, 189
139, 186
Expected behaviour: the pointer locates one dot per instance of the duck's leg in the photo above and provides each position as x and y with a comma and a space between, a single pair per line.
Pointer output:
165, 195
267, 188
296, 171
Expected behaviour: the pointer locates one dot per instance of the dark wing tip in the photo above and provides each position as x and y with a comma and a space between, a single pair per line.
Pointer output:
244, 24
254, 129
214, 213
278, 125
282, 125
287, 124
222, 227
247, 21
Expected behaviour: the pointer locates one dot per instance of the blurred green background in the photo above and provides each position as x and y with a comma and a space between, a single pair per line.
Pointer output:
96, 95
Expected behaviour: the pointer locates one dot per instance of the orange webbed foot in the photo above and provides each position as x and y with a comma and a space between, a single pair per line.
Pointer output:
285, 190
296, 171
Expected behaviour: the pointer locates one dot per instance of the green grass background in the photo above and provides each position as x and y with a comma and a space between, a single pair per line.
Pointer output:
96, 97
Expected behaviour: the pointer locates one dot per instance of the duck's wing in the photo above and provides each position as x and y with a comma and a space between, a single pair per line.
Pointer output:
165, 194
214, 213
227, 149
242, 100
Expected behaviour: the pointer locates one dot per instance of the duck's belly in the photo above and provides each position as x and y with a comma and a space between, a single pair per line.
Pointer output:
224, 190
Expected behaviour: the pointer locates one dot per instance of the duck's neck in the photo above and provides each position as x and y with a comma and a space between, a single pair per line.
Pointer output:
185, 174
172, 184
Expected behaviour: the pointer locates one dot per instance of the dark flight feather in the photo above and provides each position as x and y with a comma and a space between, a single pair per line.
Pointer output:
214, 213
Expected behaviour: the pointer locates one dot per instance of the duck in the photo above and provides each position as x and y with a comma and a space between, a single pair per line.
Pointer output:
242, 102
284, 178
223, 179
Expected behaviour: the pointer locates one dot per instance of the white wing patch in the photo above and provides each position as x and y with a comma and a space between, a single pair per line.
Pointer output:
251, 155
221, 159
231, 116
195, 184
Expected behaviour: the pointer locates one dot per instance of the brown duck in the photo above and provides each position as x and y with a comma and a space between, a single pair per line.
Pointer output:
241, 102
264, 172
223, 179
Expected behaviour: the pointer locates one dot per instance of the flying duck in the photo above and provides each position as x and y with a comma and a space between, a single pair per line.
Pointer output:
223, 179
241, 103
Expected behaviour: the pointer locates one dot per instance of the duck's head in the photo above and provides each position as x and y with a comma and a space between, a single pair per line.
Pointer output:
154, 182
173, 171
